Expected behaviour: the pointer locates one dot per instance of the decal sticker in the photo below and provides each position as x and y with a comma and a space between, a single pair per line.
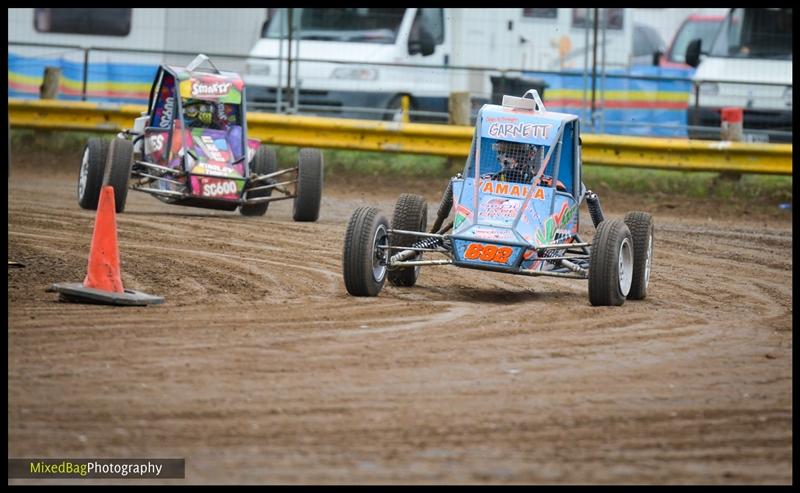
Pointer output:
517, 130
167, 113
212, 89
488, 253
547, 232
156, 142
493, 234
217, 188
500, 208
462, 214
211, 147
512, 189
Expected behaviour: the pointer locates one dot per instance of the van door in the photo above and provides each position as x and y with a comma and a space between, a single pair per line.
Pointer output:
429, 87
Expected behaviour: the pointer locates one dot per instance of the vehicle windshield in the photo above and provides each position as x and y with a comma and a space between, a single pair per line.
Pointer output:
694, 29
364, 25
200, 113
508, 161
755, 33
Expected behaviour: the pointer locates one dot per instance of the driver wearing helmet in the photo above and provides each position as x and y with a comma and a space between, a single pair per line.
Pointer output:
520, 163
198, 113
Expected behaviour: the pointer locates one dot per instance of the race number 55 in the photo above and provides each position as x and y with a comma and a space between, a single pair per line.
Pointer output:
488, 253
157, 142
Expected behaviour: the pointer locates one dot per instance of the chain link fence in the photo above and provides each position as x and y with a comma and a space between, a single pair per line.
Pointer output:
624, 71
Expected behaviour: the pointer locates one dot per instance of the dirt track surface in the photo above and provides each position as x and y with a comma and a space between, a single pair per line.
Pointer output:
260, 368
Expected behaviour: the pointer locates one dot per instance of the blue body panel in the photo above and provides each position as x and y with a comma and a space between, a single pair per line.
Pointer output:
516, 218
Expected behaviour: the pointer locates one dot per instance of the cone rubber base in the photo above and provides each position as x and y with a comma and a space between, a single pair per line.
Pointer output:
75, 292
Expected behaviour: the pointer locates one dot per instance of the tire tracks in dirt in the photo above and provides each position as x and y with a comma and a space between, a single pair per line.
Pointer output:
260, 368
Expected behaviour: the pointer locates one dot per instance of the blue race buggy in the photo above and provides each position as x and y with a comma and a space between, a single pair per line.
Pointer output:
515, 209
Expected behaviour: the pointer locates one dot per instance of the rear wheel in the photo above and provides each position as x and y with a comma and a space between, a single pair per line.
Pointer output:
364, 258
611, 264
641, 226
118, 170
90, 177
309, 185
410, 214
264, 162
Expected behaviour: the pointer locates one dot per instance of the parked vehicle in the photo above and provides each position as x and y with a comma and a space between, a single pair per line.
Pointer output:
695, 26
748, 65
515, 210
647, 44
341, 50
118, 76
348, 44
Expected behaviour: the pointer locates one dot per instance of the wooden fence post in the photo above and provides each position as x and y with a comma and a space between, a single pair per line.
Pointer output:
50, 84
459, 108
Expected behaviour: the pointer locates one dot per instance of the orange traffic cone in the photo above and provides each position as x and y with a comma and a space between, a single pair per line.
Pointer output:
103, 283
103, 271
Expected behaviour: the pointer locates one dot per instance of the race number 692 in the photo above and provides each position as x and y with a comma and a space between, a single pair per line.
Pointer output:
488, 253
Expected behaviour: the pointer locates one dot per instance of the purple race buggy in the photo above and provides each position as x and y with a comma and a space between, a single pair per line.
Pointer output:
191, 148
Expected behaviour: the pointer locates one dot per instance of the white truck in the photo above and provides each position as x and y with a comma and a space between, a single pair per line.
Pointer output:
436, 38
749, 66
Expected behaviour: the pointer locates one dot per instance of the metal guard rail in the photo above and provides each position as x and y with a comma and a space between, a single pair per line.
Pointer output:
420, 138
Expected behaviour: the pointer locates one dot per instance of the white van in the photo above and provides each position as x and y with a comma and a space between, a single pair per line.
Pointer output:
360, 35
749, 66
528, 39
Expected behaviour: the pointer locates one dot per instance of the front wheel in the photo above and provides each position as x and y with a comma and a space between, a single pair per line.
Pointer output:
90, 177
611, 264
641, 226
365, 254
118, 170
308, 192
